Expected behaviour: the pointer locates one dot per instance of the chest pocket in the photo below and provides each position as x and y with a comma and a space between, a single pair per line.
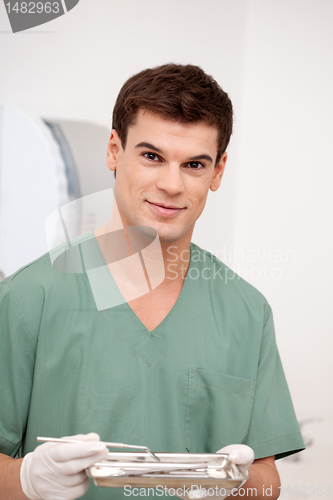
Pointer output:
218, 410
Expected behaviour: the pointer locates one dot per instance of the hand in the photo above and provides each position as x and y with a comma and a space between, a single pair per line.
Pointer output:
56, 471
240, 455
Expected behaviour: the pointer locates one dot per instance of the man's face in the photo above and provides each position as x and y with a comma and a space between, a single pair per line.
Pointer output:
164, 164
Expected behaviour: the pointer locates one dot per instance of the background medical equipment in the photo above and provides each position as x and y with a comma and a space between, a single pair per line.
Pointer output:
46, 164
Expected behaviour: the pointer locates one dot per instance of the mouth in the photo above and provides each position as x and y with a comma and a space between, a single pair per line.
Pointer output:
167, 210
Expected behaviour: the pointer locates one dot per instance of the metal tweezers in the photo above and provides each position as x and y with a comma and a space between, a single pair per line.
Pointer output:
109, 445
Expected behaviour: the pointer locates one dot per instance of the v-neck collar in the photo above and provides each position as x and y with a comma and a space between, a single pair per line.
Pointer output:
109, 280
153, 345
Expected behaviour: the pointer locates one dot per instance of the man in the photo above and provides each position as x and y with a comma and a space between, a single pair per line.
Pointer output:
191, 365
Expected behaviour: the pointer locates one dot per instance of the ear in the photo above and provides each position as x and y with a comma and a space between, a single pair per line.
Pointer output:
114, 150
218, 172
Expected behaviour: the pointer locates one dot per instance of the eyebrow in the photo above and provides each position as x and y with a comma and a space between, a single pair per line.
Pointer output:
158, 150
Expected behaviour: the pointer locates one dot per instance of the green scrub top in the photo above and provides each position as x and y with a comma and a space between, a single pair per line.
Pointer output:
207, 376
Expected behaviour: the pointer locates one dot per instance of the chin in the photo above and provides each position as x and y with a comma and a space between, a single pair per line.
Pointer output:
168, 238
166, 233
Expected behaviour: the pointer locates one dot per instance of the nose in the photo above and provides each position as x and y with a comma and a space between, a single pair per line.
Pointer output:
170, 179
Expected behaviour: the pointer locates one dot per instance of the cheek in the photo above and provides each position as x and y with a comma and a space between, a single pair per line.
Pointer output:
199, 196
200, 205
130, 190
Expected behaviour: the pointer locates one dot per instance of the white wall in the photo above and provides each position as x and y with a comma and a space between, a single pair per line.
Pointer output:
285, 180
274, 58
284, 202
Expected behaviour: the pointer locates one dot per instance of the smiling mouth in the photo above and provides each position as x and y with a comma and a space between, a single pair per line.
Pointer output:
165, 211
165, 206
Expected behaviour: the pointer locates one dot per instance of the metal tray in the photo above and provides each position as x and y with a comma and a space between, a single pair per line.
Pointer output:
171, 470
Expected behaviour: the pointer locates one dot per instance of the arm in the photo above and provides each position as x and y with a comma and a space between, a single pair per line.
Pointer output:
10, 484
262, 475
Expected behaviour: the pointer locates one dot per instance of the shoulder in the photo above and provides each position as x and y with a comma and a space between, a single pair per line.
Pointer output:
23, 292
227, 286
28, 277
44, 271
30, 286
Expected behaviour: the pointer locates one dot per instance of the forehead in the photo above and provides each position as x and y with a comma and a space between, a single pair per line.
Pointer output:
160, 131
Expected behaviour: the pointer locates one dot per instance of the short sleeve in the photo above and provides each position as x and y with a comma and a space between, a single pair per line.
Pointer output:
17, 354
274, 429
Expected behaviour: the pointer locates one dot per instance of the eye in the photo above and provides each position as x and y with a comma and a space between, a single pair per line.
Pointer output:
151, 156
196, 165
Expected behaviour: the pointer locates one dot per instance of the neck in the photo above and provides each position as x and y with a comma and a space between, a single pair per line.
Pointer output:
176, 257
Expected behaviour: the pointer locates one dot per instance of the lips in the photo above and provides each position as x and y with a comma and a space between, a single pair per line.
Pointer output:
164, 210
165, 206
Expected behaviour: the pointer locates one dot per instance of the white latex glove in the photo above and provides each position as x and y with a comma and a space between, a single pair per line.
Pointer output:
56, 471
239, 454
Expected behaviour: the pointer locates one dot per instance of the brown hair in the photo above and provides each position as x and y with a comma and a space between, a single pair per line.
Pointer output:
183, 93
